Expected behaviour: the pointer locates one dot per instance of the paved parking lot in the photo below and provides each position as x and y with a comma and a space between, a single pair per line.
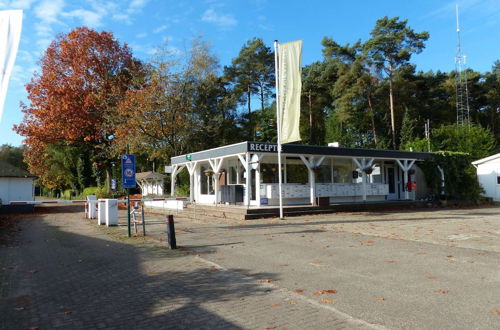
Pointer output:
425, 269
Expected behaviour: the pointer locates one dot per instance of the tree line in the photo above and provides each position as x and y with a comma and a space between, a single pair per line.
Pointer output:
92, 99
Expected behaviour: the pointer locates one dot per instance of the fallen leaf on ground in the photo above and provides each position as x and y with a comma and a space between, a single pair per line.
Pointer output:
495, 312
449, 256
275, 305
292, 303
271, 327
390, 261
298, 291
441, 291
316, 262
431, 277
20, 308
379, 298
67, 313
421, 252
265, 281
320, 292
284, 265
327, 301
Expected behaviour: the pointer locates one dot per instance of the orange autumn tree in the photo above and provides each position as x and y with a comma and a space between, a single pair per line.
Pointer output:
73, 100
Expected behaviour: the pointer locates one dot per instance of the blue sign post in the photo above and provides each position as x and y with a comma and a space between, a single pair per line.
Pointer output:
128, 180
128, 171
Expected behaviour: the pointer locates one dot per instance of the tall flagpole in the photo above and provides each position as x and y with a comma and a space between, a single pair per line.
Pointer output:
278, 119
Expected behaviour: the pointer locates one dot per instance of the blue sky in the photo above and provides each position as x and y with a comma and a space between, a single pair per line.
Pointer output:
228, 24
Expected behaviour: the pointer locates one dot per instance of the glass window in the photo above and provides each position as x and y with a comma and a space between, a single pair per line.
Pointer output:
296, 171
342, 170
376, 176
269, 173
323, 172
207, 181
235, 169
498, 179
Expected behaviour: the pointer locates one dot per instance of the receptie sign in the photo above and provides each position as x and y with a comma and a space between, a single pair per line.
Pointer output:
128, 171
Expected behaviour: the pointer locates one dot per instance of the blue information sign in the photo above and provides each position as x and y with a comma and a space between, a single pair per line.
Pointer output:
128, 171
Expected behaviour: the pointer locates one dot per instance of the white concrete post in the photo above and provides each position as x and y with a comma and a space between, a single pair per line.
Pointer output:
172, 181
405, 166
245, 161
248, 180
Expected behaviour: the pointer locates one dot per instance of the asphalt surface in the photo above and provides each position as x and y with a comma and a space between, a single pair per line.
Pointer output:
429, 269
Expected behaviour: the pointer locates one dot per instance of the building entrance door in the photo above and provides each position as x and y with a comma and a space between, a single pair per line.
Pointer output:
391, 180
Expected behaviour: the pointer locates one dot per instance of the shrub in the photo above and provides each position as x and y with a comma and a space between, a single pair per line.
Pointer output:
89, 191
459, 175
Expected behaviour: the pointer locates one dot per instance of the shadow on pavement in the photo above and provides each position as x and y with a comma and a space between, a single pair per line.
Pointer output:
61, 279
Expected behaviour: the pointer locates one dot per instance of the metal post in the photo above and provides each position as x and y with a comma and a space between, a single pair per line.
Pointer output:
278, 119
128, 207
143, 219
171, 232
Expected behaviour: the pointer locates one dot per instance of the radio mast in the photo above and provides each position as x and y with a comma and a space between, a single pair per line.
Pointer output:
462, 91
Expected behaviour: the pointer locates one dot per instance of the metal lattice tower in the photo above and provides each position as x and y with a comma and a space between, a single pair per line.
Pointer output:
461, 82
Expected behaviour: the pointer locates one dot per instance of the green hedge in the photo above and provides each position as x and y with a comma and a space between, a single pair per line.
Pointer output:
459, 175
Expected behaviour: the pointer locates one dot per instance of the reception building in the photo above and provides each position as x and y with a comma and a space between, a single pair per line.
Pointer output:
246, 173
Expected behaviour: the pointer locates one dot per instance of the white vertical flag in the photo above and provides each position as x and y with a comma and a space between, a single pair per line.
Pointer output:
290, 84
10, 32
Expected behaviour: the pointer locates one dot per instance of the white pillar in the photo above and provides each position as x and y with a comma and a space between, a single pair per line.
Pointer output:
172, 181
312, 186
248, 180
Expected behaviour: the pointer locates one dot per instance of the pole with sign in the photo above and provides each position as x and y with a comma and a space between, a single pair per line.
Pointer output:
128, 181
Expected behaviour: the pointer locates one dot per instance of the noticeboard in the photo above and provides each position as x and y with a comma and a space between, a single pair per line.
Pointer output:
128, 171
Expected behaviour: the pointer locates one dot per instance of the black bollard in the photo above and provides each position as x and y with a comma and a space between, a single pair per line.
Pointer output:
171, 232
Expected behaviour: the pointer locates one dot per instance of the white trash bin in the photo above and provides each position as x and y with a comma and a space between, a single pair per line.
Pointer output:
101, 212
91, 207
111, 206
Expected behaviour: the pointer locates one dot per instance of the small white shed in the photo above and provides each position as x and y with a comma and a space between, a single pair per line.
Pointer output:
151, 183
488, 175
15, 184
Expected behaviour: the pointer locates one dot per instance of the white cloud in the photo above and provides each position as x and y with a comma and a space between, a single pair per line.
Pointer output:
222, 20
161, 28
49, 10
89, 18
16, 4
133, 7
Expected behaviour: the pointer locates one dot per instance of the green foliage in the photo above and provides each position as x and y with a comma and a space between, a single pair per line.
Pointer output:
90, 191
460, 176
475, 140
407, 128
13, 156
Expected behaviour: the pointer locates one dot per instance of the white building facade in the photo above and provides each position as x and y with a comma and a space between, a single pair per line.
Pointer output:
488, 175
246, 173
15, 184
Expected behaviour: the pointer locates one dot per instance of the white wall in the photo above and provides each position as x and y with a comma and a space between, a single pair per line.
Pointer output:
487, 176
16, 189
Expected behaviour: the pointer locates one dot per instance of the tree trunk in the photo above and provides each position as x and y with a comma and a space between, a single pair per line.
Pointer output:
374, 130
109, 175
391, 102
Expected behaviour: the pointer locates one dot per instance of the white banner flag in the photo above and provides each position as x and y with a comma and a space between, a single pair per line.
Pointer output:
290, 85
10, 32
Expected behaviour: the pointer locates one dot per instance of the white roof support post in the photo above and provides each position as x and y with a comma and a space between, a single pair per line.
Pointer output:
216, 164
363, 164
175, 170
245, 161
311, 165
191, 166
405, 166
